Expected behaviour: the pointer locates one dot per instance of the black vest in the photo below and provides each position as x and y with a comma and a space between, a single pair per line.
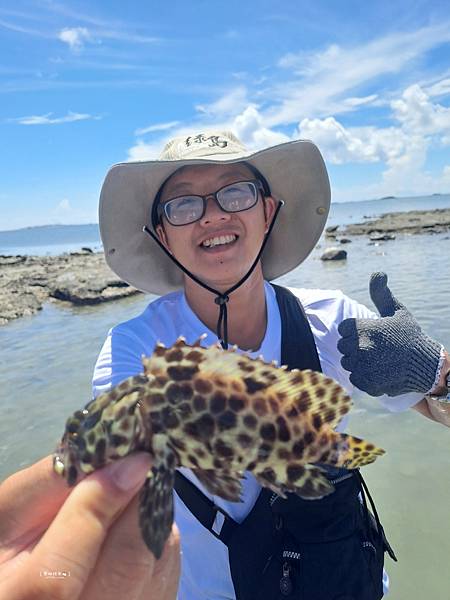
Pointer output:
328, 549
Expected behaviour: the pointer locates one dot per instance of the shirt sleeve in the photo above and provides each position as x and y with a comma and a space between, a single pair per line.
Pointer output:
119, 358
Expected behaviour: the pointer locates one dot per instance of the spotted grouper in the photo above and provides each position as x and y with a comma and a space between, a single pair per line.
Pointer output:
219, 413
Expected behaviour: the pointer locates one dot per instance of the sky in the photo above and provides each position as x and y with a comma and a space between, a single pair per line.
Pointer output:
85, 85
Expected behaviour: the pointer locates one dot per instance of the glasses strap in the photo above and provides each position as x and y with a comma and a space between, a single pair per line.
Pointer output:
221, 298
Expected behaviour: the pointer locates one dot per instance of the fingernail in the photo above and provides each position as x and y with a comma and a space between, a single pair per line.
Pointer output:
129, 472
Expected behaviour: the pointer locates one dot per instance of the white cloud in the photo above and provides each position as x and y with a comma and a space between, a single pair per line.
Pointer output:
403, 146
324, 85
440, 88
338, 144
69, 211
22, 29
48, 120
74, 37
323, 81
104, 28
418, 115
229, 104
142, 151
63, 207
356, 102
250, 129
446, 178
157, 127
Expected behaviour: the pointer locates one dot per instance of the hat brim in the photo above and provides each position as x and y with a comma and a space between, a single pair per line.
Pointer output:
296, 174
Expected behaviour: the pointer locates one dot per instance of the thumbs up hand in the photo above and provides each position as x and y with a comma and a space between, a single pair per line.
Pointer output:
390, 355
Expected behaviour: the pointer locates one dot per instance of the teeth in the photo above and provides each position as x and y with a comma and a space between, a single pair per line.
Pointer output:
217, 241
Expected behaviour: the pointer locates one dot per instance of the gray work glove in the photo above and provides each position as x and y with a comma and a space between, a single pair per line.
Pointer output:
390, 355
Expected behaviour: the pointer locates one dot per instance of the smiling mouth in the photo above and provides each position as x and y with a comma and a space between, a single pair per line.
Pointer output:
220, 240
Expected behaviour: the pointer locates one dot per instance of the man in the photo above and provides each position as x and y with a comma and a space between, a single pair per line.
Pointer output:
227, 221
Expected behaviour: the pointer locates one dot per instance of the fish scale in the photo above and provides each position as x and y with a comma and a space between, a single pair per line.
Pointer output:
219, 413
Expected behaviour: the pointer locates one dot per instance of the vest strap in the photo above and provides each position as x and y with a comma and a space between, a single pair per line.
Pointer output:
298, 350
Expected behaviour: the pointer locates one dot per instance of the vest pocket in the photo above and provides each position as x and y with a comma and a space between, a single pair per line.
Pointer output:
347, 569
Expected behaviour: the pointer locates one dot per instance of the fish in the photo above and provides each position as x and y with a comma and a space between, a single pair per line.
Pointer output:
221, 414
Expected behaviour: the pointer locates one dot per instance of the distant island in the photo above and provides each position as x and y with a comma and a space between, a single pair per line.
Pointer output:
50, 234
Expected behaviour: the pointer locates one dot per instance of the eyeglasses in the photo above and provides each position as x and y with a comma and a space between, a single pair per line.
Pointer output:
235, 197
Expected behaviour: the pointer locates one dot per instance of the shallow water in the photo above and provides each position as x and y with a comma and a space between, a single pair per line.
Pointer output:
46, 363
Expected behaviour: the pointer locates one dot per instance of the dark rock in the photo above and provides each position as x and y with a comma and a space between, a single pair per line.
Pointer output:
88, 250
383, 237
82, 278
12, 260
345, 241
77, 289
331, 228
334, 254
411, 222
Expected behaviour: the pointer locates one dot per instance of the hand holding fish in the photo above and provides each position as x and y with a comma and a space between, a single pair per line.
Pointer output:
390, 355
80, 544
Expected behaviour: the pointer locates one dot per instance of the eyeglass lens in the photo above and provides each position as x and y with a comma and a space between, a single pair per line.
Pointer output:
231, 198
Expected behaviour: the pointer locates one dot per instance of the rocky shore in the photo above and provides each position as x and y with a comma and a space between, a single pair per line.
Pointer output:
83, 278
80, 278
411, 222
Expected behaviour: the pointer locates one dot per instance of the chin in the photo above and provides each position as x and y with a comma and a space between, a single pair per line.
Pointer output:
221, 280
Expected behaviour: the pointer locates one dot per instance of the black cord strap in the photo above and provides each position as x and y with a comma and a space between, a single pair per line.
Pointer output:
221, 297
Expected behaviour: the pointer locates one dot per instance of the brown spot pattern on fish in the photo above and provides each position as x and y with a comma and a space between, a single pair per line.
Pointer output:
219, 413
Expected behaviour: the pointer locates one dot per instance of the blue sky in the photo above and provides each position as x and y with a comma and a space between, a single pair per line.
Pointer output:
84, 85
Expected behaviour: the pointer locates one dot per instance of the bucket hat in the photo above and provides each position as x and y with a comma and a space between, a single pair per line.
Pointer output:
295, 172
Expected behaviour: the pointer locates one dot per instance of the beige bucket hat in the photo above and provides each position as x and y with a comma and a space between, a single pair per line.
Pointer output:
295, 172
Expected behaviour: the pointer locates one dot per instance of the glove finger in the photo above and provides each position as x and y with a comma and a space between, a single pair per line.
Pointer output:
348, 362
365, 385
347, 328
348, 345
384, 300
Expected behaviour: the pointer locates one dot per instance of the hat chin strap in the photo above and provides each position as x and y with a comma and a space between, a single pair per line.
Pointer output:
221, 297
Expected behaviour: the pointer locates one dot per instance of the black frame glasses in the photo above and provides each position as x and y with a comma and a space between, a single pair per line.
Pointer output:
163, 208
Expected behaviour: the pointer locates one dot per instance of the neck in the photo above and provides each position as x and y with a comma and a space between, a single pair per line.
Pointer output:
247, 314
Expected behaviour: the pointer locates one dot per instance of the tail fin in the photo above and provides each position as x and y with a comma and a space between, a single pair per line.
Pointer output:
353, 452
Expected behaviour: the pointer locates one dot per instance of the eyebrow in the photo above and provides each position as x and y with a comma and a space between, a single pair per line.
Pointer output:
183, 184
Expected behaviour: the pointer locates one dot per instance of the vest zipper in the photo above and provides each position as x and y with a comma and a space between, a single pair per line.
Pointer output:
342, 478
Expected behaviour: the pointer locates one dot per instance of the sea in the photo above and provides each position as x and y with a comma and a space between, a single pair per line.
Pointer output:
46, 363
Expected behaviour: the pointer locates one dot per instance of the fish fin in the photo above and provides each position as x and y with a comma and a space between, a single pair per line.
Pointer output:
307, 481
156, 503
353, 452
311, 395
220, 483
302, 394
129, 390
265, 478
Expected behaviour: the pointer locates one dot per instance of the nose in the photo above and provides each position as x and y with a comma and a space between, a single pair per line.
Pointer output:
213, 212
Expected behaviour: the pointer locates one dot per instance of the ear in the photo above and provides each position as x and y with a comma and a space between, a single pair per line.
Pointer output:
270, 206
162, 236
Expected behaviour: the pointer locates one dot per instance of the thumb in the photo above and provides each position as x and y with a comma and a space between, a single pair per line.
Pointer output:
384, 300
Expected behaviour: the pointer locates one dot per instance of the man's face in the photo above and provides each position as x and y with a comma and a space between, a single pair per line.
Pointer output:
197, 245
